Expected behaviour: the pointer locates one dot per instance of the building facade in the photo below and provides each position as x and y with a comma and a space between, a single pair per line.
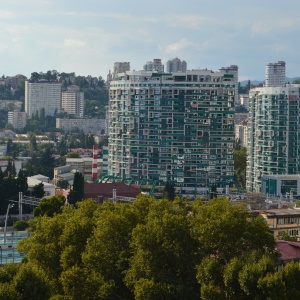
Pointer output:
89, 126
233, 70
273, 133
155, 65
275, 74
241, 132
42, 94
72, 101
176, 128
281, 185
282, 221
120, 67
176, 65
244, 100
17, 119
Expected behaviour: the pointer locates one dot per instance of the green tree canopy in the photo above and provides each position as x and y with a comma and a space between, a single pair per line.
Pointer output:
50, 206
77, 192
152, 249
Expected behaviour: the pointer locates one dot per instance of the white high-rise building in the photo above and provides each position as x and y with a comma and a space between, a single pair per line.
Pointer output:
275, 74
273, 133
72, 101
241, 131
176, 65
42, 94
155, 65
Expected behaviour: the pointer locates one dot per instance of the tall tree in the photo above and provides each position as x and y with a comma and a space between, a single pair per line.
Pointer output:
38, 191
162, 266
77, 192
169, 191
217, 235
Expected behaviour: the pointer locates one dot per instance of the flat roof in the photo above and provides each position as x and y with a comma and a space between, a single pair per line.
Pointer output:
282, 212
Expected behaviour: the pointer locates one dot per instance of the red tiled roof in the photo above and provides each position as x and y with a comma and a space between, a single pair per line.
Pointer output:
105, 190
288, 250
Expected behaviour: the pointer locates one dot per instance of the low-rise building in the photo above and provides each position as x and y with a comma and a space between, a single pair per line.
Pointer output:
283, 221
89, 126
102, 191
84, 165
48, 187
11, 104
63, 173
3, 149
17, 119
281, 185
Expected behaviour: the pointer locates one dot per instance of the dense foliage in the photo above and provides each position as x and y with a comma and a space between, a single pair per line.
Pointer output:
240, 163
77, 192
10, 186
149, 250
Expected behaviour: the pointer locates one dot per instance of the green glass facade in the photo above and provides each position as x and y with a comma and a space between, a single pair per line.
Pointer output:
172, 127
273, 133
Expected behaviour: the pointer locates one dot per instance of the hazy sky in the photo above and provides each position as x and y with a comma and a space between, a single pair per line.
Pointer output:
88, 36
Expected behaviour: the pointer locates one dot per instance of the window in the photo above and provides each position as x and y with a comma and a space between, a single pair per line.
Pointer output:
293, 232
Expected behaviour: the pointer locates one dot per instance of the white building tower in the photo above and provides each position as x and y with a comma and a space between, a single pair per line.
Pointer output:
42, 94
275, 74
176, 65
72, 101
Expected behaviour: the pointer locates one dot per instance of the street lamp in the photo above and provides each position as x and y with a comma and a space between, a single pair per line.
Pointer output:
5, 227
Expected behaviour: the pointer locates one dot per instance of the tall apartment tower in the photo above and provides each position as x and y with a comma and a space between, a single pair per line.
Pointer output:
233, 70
176, 65
72, 101
275, 74
120, 67
273, 133
42, 94
155, 65
176, 128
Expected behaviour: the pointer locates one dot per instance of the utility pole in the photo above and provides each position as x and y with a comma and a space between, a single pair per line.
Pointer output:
20, 205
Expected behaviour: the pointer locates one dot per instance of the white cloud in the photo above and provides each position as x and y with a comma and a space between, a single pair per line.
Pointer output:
191, 21
74, 43
6, 14
179, 46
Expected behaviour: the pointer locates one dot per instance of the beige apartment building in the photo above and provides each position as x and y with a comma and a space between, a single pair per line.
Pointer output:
72, 101
282, 221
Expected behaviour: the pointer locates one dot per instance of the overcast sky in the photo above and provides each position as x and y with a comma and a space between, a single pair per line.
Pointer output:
88, 36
